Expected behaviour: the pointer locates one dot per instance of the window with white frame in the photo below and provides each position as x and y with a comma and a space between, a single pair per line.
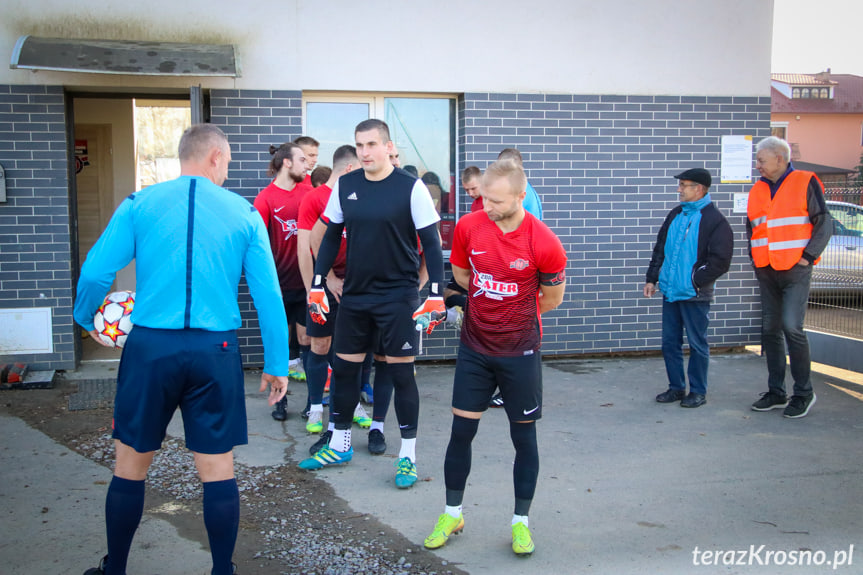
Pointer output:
422, 127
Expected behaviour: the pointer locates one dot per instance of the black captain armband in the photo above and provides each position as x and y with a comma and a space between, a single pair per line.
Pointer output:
554, 279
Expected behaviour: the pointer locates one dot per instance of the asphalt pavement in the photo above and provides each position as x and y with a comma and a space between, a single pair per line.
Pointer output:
626, 485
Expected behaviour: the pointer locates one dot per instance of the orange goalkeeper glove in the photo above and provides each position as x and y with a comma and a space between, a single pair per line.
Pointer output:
430, 314
318, 304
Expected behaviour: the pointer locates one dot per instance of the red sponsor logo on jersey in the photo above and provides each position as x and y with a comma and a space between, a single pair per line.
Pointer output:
518, 264
288, 226
491, 288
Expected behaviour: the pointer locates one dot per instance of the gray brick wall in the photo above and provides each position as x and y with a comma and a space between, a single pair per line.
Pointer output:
35, 266
602, 166
253, 121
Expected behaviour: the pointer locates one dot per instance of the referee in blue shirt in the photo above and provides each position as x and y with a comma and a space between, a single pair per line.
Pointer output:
191, 240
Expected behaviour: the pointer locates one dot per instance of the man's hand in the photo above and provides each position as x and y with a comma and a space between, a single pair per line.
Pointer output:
435, 309
278, 386
95, 335
803, 262
649, 289
319, 307
335, 285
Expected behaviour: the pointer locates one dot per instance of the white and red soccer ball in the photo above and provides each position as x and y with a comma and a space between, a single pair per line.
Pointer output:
112, 320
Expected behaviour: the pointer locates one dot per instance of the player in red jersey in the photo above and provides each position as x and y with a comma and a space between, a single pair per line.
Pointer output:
279, 205
310, 147
471, 177
513, 268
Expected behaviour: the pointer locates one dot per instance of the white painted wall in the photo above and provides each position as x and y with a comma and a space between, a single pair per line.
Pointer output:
709, 47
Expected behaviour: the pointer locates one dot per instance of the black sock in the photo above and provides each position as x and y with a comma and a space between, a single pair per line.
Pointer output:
406, 398
316, 376
345, 394
526, 467
383, 391
124, 506
222, 520
457, 462
367, 369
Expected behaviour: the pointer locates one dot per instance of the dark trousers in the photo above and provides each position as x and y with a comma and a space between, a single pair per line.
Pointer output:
784, 295
692, 316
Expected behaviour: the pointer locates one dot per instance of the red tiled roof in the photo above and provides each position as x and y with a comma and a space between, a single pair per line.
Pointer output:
847, 98
800, 79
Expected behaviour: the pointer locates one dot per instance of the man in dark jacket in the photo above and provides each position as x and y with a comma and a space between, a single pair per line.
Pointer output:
693, 249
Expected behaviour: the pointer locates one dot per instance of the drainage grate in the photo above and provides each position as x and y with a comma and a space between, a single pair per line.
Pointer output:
93, 394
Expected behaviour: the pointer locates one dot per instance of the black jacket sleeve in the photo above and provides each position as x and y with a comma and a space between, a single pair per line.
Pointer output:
822, 222
714, 258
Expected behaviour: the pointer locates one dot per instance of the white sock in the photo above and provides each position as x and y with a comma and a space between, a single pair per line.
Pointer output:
331, 427
319, 407
409, 449
341, 440
294, 362
520, 519
453, 511
379, 425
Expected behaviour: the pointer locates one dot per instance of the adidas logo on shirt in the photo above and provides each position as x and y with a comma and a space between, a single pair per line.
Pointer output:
407, 345
353, 196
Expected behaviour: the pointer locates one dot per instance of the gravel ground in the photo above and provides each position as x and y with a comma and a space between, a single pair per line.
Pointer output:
299, 533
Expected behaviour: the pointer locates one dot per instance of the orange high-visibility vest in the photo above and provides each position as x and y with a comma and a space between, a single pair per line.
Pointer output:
781, 228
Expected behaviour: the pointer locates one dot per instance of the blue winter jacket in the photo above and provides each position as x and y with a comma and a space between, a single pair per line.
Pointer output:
693, 249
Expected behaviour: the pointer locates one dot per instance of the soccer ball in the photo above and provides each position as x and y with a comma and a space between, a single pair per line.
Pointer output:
112, 320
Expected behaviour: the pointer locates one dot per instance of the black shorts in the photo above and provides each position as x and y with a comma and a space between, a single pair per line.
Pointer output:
296, 312
196, 370
518, 378
314, 329
360, 326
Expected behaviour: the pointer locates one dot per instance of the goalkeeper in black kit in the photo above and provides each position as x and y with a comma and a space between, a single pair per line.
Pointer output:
384, 210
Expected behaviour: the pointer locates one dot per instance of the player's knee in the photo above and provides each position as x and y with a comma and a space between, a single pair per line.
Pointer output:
464, 429
321, 345
402, 375
523, 434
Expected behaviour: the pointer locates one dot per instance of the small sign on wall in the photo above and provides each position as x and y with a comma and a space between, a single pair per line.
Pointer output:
736, 160
740, 201
26, 330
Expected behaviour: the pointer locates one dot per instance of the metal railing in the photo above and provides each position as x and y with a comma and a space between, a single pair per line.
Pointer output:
836, 293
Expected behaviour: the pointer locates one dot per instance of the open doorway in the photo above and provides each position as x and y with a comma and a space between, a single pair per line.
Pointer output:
122, 145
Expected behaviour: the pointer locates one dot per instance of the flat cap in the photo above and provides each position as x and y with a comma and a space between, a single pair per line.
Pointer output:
697, 175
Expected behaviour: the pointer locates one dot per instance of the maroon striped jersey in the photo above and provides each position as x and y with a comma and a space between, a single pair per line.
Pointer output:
280, 209
502, 316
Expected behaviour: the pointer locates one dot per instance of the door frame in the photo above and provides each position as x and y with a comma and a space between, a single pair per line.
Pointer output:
198, 97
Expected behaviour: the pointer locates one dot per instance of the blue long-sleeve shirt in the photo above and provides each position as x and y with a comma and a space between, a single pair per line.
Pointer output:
191, 241
531, 202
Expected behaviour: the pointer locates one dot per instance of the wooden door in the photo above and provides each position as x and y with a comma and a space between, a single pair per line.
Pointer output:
95, 183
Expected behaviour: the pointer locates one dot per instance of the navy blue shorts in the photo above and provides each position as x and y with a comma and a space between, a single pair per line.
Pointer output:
518, 378
358, 326
198, 371
317, 330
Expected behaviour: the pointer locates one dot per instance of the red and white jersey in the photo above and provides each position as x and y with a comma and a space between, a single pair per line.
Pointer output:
311, 210
280, 210
502, 317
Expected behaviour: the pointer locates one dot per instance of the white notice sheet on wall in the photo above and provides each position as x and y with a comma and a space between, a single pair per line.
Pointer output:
736, 160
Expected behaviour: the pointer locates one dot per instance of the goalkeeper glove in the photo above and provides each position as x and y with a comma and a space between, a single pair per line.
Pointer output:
317, 302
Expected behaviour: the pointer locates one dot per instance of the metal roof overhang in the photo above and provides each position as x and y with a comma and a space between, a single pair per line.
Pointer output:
124, 57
